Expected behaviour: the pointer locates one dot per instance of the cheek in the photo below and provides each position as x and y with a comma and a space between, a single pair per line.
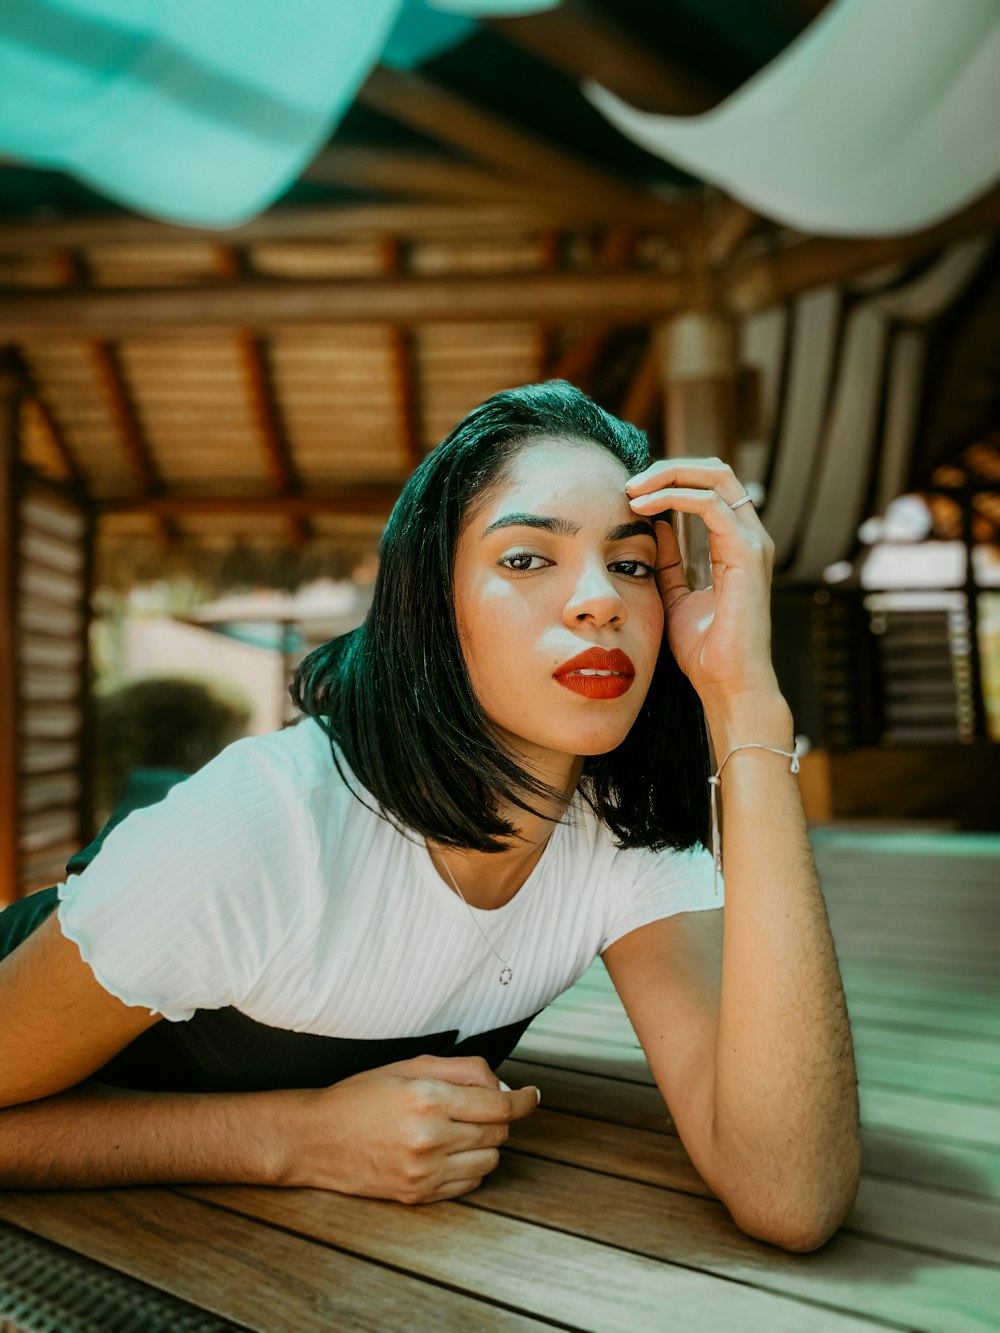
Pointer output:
649, 621
490, 621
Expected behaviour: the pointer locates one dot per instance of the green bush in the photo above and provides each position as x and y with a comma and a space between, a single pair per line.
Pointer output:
159, 722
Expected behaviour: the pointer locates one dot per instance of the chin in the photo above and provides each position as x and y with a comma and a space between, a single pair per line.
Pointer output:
593, 740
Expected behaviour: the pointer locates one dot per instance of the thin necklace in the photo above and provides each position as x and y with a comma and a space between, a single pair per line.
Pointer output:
507, 972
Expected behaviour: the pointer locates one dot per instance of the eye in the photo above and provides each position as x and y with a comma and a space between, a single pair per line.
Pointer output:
520, 562
633, 569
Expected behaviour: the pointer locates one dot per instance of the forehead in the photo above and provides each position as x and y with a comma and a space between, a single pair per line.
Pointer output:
565, 470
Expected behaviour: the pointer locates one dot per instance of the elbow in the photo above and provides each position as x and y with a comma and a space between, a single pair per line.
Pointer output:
798, 1239
804, 1227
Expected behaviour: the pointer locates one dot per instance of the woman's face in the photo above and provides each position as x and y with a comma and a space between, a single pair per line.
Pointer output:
551, 565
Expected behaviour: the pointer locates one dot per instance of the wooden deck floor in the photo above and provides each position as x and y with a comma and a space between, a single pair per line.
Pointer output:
595, 1218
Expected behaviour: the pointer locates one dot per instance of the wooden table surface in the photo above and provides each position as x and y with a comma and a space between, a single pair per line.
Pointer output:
595, 1218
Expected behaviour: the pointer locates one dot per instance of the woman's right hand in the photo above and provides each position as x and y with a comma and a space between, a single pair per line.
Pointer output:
415, 1131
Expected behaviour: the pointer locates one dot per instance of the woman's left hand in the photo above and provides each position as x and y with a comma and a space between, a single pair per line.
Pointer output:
721, 635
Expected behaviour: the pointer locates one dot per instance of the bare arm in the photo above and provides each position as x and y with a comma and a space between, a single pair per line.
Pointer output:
417, 1131
96, 1135
785, 1096
61, 1129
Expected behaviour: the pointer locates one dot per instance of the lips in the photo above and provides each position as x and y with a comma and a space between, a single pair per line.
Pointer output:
617, 673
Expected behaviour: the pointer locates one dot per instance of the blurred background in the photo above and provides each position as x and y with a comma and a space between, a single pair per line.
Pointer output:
256, 261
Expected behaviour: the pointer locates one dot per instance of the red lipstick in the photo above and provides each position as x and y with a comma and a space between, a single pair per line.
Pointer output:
616, 678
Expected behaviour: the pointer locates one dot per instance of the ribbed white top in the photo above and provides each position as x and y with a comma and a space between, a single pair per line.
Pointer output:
262, 883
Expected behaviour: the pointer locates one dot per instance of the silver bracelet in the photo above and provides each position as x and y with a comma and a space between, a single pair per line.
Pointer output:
716, 781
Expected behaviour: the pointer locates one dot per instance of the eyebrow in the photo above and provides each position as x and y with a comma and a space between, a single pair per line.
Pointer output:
562, 527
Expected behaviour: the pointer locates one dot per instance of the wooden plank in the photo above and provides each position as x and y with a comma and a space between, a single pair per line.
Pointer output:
936, 1220
881, 1280
943, 1165
261, 304
571, 1270
259, 1276
931, 1117
899, 1061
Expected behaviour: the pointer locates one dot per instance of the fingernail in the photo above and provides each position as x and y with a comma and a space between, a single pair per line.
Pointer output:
538, 1096
503, 1086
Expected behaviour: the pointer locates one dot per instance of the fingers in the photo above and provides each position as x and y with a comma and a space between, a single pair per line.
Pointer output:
474, 1093
669, 570
463, 1137
468, 1165
709, 473
735, 535
477, 1107
655, 488
465, 1070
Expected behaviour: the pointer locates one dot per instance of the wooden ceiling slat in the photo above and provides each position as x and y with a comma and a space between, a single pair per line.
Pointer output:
586, 43
417, 101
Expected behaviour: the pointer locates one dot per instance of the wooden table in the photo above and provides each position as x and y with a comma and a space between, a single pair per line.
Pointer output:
595, 1218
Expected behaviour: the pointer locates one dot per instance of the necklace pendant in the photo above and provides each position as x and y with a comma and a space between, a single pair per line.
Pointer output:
505, 976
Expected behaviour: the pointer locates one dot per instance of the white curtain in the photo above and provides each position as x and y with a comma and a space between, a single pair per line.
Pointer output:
883, 117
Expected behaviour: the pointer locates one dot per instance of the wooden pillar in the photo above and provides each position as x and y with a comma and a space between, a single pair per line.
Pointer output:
699, 365
9, 847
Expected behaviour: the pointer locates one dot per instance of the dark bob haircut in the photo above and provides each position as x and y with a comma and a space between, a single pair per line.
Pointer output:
395, 695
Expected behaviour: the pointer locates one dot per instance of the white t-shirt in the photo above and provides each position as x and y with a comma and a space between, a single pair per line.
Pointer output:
262, 883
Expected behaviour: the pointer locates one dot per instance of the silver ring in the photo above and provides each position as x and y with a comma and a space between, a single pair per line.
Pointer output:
747, 499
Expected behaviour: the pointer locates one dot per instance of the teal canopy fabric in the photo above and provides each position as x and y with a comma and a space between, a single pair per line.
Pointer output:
199, 111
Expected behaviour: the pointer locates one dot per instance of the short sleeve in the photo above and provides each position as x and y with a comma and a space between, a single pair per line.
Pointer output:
188, 899
647, 886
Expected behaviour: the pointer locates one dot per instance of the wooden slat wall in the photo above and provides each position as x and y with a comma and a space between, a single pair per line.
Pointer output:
51, 600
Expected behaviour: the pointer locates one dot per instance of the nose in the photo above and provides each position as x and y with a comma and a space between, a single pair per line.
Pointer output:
595, 598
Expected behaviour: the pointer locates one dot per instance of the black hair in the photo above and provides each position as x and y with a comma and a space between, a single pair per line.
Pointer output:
395, 696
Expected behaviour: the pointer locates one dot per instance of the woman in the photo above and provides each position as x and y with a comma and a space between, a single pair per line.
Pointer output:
348, 924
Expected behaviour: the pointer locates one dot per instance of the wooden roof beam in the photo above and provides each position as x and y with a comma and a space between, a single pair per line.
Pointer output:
405, 379
644, 395
586, 43
732, 225
419, 176
753, 284
450, 118
52, 426
265, 408
270, 426
375, 500
109, 374
579, 363
631, 297
329, 222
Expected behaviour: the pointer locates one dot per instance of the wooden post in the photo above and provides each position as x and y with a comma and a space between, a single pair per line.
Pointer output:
10, 878
698, 361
